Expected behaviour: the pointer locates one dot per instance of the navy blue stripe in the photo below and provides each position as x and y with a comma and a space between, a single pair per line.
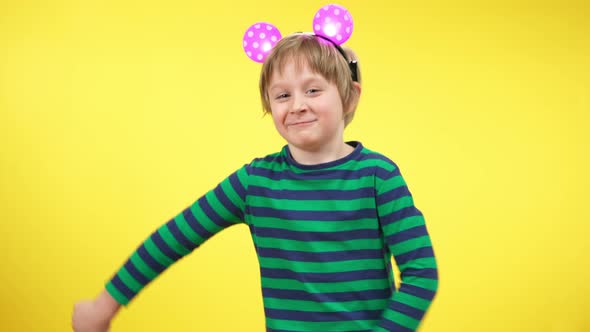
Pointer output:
410, 211
135, 273
333, 174
268, 329
310, 316
385, 174
407, 234
376, 156
392, 326
333, 256
312, 194
180, 237
417, 291
234, 180
289, 294
195, 225
393, 194
149, 260
286, 234
406, 310
164, 247
226, 202
273, 158
324, 277
313, 215
212, 214
422, 273
423, 252
121, 287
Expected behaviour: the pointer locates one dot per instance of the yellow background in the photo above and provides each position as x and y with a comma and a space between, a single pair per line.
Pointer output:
115, 115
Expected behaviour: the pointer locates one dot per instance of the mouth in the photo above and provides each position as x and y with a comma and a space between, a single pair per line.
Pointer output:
300, 123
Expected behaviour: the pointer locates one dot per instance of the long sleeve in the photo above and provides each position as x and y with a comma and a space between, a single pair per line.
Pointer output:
219, 208
407, 239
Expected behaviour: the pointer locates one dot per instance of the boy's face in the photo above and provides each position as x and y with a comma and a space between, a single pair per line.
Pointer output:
306, 109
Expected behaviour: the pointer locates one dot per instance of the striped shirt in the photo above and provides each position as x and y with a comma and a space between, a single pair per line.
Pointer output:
324, 236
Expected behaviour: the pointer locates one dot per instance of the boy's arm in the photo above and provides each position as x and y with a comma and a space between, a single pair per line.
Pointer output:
219, 208
407, 239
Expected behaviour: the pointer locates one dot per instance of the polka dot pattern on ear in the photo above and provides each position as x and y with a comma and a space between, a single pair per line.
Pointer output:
333, 22
259, 40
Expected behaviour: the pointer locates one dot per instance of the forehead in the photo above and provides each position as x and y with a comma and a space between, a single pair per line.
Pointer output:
293, 67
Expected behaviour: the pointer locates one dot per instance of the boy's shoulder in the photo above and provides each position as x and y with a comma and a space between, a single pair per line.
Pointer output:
362, 155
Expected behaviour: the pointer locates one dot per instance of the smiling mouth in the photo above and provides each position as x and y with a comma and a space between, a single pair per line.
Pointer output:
301, 123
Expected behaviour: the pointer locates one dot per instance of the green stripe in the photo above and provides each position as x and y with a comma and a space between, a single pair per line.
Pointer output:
218, 207
401, 319
326, 287
390, 184
129, 281
412, 301
318, 246
315, 225
411, 244
143, 267
232, 194
187, 231
301, 305
319, 267
403, 224
293, 325
426, 283
314, 205
203, 219
118, 296
395, 205
172, 242
311, 184
419, 263
153, 250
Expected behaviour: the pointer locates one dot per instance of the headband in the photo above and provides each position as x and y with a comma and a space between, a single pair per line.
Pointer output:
332, 23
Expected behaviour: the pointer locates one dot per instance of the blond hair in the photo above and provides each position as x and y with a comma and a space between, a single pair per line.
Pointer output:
322, 58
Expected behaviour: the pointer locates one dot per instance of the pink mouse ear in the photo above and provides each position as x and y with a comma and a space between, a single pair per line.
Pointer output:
259, 39
333, 22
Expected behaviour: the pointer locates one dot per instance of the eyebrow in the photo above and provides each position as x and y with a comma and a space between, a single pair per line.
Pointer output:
311, 79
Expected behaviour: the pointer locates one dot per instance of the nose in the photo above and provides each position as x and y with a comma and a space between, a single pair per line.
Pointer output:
299, 105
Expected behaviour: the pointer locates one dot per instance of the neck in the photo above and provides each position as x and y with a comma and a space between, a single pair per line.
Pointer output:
320, 155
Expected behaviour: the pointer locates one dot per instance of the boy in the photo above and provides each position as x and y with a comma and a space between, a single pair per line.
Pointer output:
325, 215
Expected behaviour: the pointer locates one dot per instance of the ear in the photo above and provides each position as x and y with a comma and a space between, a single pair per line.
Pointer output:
355, 99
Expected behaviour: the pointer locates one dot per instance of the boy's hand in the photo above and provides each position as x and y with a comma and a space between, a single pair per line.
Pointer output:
96, 315
87, 317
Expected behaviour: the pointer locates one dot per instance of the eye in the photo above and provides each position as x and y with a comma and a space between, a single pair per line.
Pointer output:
282, 96
313, 91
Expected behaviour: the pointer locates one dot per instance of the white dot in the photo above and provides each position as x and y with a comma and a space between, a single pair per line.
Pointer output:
266, 47
317, 27
318, 15
273, 38
346, 17
245, 43
339, 37
347, 29
250, 33
249, 53
262, 36
328, 19
338, 25
255, 45
330, 30
259, 57
269, 27
336, 11
325, 8
257, 26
